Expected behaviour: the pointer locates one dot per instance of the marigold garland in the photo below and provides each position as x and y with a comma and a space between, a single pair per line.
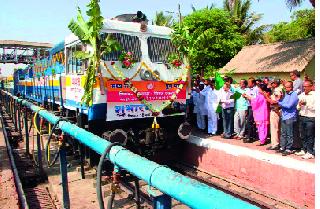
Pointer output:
127, 81
143, 64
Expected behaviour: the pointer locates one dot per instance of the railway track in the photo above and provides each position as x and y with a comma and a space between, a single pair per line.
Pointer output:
38, 195
33, 182
251, 195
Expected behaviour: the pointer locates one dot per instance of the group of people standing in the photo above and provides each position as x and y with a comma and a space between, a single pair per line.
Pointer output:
259, 109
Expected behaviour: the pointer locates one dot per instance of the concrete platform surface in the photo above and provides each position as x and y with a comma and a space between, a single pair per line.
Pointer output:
286, 178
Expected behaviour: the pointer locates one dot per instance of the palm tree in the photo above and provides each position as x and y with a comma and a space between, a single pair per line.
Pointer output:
163, 20
295, 3
207, 7
239, 12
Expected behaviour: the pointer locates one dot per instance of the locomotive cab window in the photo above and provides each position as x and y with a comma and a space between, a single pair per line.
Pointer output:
159, 49
128, 44
74, 64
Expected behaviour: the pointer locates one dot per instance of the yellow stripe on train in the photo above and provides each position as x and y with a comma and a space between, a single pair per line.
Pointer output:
54, 83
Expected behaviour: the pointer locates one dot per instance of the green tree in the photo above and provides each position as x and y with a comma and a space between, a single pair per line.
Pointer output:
207, 7
290, 3
295, 3
89, 33
302, 26
239, 11
163, 20
208, 38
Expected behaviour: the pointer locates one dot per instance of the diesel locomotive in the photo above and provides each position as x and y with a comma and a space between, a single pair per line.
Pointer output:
123, 98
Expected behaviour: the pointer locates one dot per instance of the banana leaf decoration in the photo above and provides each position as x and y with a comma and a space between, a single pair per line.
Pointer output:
89, 33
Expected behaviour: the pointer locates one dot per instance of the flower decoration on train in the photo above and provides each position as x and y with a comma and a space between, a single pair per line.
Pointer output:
127, 60
156, 111
53, 72
175, 60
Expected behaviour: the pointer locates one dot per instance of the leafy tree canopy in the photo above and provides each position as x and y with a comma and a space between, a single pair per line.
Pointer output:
208, 38
302, 26
163, 20
239, 11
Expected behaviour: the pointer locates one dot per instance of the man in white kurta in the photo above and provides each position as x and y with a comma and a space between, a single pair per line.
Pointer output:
198, 101
211, 104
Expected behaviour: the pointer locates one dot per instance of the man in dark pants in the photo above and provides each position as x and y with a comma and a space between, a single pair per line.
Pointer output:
252, 91
288, 117
306, 107
297, 87
227, 104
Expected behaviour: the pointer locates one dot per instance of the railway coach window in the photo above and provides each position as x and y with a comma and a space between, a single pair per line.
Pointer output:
128, 44
159, 49
73, 64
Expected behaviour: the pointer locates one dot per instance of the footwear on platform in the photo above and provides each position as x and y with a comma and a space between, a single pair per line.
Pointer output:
273, 148
287, 152
236, 137
308, 156
301, 153
227, 137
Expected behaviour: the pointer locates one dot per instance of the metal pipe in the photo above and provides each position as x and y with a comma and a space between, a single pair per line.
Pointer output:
39, 151
186, 190
15, 116
19, 119
64, 177
80, 146
26, 130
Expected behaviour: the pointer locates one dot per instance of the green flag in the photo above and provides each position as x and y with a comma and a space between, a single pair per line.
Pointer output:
237, 95
219, 82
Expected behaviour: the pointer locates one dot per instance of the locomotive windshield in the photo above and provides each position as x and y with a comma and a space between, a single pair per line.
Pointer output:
159, 49
128, 44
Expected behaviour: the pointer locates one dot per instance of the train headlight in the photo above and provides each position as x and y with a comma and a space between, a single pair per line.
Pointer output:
156, 75
145, 75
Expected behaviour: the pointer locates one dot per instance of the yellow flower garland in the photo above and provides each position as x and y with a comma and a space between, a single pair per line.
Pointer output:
143, 64
155, 111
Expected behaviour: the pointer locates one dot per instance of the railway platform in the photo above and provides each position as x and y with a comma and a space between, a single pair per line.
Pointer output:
265, 175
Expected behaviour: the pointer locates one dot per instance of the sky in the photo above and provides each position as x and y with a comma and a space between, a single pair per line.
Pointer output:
46, 21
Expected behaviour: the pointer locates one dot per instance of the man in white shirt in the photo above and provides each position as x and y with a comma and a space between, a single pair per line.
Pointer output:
227, 104
198, 102
211, 104
252, 91
297, 82
306, 107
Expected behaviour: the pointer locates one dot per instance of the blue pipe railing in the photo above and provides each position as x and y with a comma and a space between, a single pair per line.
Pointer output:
182, 188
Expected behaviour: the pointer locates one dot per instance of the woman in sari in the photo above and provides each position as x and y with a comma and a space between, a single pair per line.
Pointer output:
261, 112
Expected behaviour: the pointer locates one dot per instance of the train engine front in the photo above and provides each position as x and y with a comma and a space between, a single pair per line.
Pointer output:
140, 95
